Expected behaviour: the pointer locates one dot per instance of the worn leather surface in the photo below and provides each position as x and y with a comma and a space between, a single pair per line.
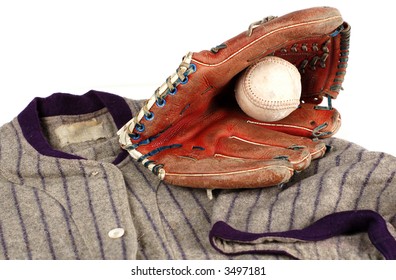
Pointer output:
211, 143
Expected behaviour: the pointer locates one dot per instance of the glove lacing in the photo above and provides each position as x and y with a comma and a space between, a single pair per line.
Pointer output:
133, 128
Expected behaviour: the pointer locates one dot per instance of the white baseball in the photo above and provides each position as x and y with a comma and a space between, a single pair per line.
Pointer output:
269, 90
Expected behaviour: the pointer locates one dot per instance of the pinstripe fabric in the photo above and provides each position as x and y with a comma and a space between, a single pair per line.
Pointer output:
4, 248
348, 178
63, 207
55, 208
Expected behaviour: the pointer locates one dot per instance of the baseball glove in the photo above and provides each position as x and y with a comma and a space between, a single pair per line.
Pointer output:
192, 133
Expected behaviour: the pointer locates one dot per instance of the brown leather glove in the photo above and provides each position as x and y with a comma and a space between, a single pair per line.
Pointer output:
192, 133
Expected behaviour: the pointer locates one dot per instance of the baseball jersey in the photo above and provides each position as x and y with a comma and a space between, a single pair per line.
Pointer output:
68, 191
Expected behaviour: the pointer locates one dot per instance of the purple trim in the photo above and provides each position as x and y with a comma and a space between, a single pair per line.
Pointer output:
68, 104
121, 156
117, 107
341, 223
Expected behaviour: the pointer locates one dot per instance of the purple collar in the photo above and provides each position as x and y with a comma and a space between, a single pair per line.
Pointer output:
68, 104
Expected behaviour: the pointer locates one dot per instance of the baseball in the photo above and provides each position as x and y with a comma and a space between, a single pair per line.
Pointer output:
269, 90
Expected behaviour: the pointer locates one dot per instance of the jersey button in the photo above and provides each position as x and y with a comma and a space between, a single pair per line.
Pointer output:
116, 233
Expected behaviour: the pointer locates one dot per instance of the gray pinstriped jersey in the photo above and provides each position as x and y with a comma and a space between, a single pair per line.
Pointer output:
60, 200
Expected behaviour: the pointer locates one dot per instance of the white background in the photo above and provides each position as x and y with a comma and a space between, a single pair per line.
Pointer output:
131, 47
121, 270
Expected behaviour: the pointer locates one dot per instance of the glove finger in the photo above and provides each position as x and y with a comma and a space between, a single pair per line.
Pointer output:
235, 147
225, 173
249, 132
308, 120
